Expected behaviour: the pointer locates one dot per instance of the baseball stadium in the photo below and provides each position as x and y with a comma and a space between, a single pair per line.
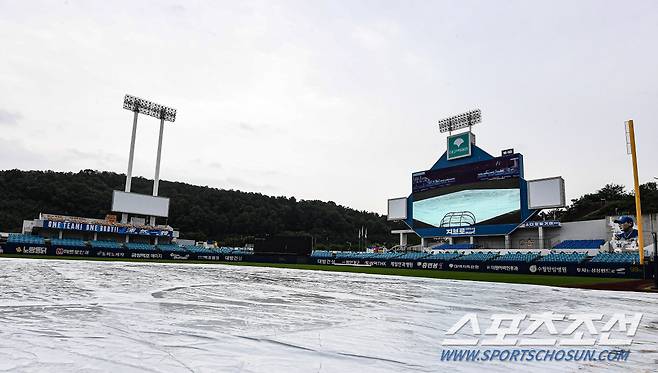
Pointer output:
328, 186
473, 212
477, 219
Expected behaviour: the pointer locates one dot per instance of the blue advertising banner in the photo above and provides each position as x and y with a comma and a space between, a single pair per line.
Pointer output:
101, 228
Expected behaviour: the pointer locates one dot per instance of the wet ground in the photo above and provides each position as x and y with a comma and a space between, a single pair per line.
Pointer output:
112, 316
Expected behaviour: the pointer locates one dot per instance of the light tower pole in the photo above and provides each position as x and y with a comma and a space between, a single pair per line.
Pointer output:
156, 179
164, 113
131, 157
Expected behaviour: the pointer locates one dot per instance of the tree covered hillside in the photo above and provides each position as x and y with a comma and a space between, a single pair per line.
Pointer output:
233, 217
229, 216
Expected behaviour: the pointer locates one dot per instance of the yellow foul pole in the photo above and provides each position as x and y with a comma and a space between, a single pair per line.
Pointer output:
638, 207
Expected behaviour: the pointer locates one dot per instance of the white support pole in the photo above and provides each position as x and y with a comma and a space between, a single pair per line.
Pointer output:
541, 237
156, 180
508, 242
131, 156
472, 240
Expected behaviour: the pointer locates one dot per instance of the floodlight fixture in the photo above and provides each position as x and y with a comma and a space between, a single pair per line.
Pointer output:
150, 108
140, 106
460, 121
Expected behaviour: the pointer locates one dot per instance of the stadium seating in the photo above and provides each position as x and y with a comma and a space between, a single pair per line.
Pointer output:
579, 244
617, 258
25, 239
140, 246
240, 251
199, 250
441, 257
477, 257
321, 254
67, 242
223, 250
459, 246
106, 245
355, 255
170, 247
518, 257
385, 256
412, 256
563, 258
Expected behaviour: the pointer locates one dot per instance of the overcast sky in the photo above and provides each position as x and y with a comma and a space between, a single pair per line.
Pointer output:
334, 100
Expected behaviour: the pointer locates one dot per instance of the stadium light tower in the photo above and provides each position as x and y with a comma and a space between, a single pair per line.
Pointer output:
460, 121
164, 113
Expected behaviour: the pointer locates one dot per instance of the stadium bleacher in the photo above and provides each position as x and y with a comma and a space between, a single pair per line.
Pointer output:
617, 258
240, 251
67, 242
441, 257
579, 244
140, 246
480, 256
563, 258
106, 245
412, 256
518, 256
385, 256
170, 247
223, 250
348, 255
25, 239
199, 250
321, 254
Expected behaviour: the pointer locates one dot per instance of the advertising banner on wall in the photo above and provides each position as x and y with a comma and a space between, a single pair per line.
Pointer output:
102, 228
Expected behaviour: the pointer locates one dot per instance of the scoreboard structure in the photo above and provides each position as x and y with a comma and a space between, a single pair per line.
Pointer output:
470, 193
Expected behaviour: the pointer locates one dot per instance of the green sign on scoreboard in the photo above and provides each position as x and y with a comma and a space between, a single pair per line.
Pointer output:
459, 146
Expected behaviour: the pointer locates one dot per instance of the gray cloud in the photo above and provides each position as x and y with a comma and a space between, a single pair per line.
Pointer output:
215, 164
9, 118
259, 128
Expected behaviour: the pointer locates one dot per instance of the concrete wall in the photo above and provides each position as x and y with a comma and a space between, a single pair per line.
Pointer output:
584, 230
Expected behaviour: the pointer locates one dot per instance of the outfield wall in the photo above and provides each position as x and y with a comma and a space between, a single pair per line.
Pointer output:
564, 269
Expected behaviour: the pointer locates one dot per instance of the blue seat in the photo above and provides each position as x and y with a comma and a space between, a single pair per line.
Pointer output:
140, 246
563, 257
617, 258
67, 242
106, 245
413, 256
321, 254
518, 257
441, 257
477, 257
25, 239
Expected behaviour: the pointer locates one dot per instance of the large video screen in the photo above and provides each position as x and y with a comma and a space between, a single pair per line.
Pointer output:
505, 167
483, 193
